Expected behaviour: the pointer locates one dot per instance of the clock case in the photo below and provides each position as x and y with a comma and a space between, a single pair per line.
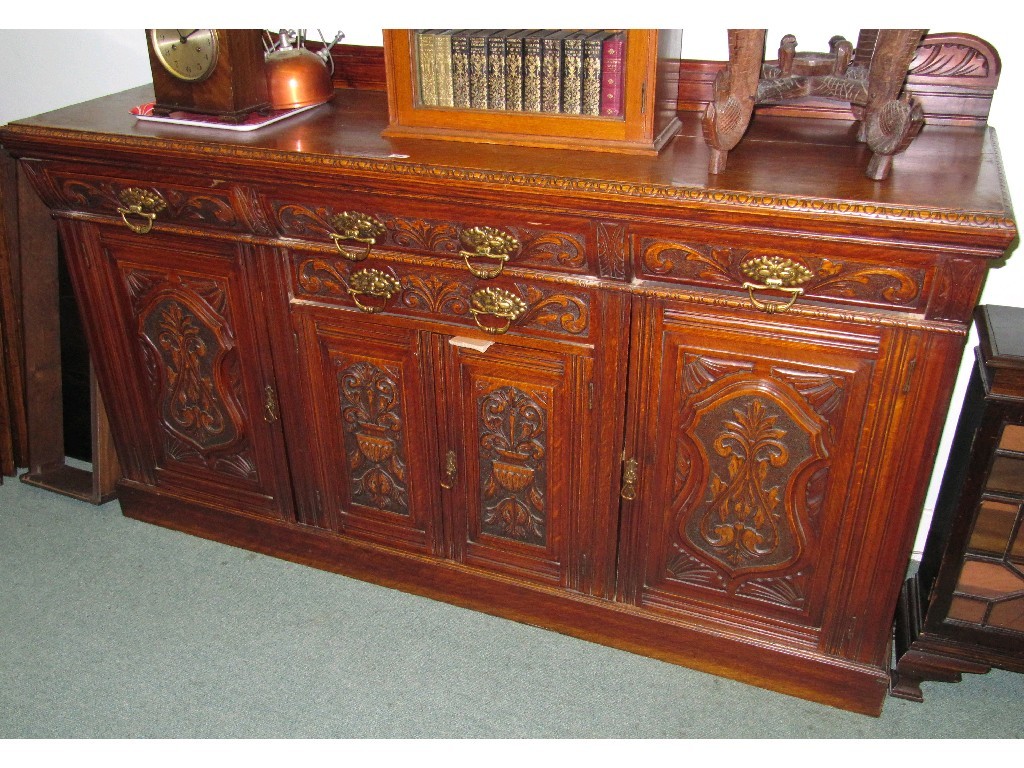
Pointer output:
236, 87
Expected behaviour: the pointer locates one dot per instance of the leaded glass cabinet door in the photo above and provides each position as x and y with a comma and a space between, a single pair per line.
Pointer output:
516, 458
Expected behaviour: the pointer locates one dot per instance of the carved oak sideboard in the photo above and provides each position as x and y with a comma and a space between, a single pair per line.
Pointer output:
611, 396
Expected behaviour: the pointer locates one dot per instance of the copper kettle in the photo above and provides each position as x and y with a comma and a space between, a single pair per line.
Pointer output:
297, 76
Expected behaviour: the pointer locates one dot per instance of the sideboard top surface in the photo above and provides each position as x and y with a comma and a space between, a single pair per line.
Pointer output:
950, 178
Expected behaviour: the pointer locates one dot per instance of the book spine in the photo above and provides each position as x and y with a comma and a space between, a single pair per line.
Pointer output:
551, 75
612, 55
496, 70
514, 74
591, 100
531, 73
478, 71
443, 62
572, 75
460, 70
426, 55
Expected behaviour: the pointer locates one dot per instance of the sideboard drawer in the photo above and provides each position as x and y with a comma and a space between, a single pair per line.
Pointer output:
396, 286
360, 223
144, 202
774, 269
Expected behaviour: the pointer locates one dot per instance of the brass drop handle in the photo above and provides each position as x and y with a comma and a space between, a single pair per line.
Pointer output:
141, 203
496, 302
450, 471
487, 243
359, 227
776, 274
630, 477
372, 282
772, 307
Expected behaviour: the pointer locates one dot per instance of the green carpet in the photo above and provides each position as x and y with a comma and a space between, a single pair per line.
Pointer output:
111, 628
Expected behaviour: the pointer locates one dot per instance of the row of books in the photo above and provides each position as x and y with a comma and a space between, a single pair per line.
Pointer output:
564, 71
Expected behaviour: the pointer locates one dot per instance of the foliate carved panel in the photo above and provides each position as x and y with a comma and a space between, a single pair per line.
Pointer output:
612, 250
721, 266
513, 454
956, 286
539, 247
192, 368
374, 434
751, 467
190, 206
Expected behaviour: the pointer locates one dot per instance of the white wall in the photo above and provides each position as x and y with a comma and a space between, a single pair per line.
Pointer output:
45, 69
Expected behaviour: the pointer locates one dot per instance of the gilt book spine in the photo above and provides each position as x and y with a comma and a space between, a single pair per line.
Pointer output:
591, 77
460, 69
613, 53
496, 45
514, 69
572, 74
531, 72
551, 72
443, 64
478, 69
426, 66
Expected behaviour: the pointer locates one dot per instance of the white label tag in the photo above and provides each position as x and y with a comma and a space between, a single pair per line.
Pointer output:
480, 345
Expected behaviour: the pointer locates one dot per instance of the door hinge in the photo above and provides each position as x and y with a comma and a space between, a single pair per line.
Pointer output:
911, 366
269, 404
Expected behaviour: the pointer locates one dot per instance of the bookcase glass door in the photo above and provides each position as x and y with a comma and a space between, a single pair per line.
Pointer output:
990, 589
544, 71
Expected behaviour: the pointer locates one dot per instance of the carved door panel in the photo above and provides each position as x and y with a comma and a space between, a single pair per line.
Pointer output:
185, 344
515, 459
746, 461
366, 406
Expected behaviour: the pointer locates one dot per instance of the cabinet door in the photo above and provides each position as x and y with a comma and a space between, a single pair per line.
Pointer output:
366, 409
180, 340
518, 442
746, 437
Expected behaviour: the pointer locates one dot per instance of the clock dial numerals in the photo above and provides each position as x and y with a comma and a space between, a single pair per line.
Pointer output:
188, 54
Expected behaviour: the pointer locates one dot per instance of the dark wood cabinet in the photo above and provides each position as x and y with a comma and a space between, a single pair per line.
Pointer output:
609, 395
963, 610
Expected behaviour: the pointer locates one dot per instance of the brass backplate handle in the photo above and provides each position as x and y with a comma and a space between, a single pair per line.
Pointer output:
487, 243
774, 273
496, 302
141, 203
450, 471
372, 282
630, 477
358, 227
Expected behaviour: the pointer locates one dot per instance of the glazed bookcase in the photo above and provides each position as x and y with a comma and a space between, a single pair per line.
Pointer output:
646, 123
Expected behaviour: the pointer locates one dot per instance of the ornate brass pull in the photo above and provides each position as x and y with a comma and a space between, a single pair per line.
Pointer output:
450, 470
142, 203
372, 282
630, 476
777, 274
488, 243
772, 307
499, 303
360, 227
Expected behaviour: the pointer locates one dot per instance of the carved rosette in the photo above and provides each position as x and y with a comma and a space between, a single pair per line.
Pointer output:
373, 428
513, 461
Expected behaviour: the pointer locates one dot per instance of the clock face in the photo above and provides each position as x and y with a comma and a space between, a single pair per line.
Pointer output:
188, 54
